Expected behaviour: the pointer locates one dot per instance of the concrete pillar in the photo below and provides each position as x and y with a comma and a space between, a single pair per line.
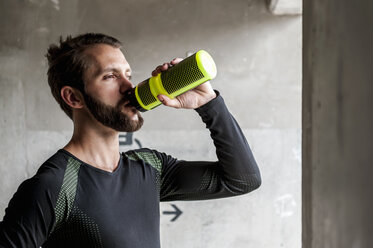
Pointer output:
337, 124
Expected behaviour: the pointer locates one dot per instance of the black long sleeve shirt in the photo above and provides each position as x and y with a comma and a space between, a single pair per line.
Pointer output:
69, 203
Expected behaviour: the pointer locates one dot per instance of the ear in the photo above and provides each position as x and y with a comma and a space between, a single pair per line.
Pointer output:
72, 97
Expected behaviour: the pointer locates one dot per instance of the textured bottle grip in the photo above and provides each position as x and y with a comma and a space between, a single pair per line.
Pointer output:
181, 75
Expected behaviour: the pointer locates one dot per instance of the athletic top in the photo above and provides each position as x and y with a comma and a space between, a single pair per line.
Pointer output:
69, 203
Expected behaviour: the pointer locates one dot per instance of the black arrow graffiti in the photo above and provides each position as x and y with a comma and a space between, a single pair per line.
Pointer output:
177, 212
128, 140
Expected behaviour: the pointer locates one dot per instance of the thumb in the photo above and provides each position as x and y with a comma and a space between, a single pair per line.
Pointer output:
168, 101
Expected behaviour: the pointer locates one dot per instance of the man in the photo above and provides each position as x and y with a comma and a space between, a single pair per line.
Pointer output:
90, 195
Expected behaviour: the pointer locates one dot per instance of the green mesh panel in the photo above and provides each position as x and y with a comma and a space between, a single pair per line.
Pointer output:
67, 193
151, 159
79, 229
82, 226
147, 157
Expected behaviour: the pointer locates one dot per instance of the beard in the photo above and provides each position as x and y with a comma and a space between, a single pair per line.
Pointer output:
113, 117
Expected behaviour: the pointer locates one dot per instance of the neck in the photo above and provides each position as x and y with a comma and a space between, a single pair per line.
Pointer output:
95, 144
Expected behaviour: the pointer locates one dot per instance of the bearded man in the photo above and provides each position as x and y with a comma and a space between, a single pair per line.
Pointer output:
88, 194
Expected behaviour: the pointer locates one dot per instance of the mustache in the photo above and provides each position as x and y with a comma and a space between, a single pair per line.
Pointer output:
122, 101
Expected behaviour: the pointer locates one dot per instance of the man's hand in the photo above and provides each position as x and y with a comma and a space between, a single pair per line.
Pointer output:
191, 99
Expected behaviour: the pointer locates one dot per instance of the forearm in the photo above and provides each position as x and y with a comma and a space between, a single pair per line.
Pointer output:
236, 161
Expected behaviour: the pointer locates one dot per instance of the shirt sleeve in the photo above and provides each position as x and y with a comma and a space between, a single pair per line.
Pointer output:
235, 172
29, 216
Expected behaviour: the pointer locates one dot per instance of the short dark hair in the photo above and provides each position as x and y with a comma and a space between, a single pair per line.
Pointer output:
67, 63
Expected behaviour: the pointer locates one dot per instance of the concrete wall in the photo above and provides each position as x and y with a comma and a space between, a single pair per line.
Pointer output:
337, 124
258, 56
285, 7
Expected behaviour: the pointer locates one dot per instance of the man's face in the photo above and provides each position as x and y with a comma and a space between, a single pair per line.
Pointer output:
106, 79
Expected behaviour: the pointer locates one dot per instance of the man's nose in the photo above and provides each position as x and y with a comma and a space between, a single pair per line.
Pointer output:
126, 84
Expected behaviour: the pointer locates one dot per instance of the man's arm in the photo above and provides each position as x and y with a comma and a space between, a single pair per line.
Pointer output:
30, 214
235, 172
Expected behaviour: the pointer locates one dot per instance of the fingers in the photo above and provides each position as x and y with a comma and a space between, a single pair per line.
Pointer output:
165, 66
161, 68
175, 61
168, 101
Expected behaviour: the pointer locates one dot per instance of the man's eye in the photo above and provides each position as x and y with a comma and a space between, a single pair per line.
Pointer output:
129, 77
109, 76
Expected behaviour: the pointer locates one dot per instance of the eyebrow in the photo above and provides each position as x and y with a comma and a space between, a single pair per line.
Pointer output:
108, 69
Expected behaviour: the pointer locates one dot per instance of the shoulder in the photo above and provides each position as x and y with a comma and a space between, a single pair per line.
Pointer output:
52, 170
40, 189
149, 156
49, 177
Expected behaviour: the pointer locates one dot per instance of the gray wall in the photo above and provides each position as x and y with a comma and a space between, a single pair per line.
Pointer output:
337, 124
258, 56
